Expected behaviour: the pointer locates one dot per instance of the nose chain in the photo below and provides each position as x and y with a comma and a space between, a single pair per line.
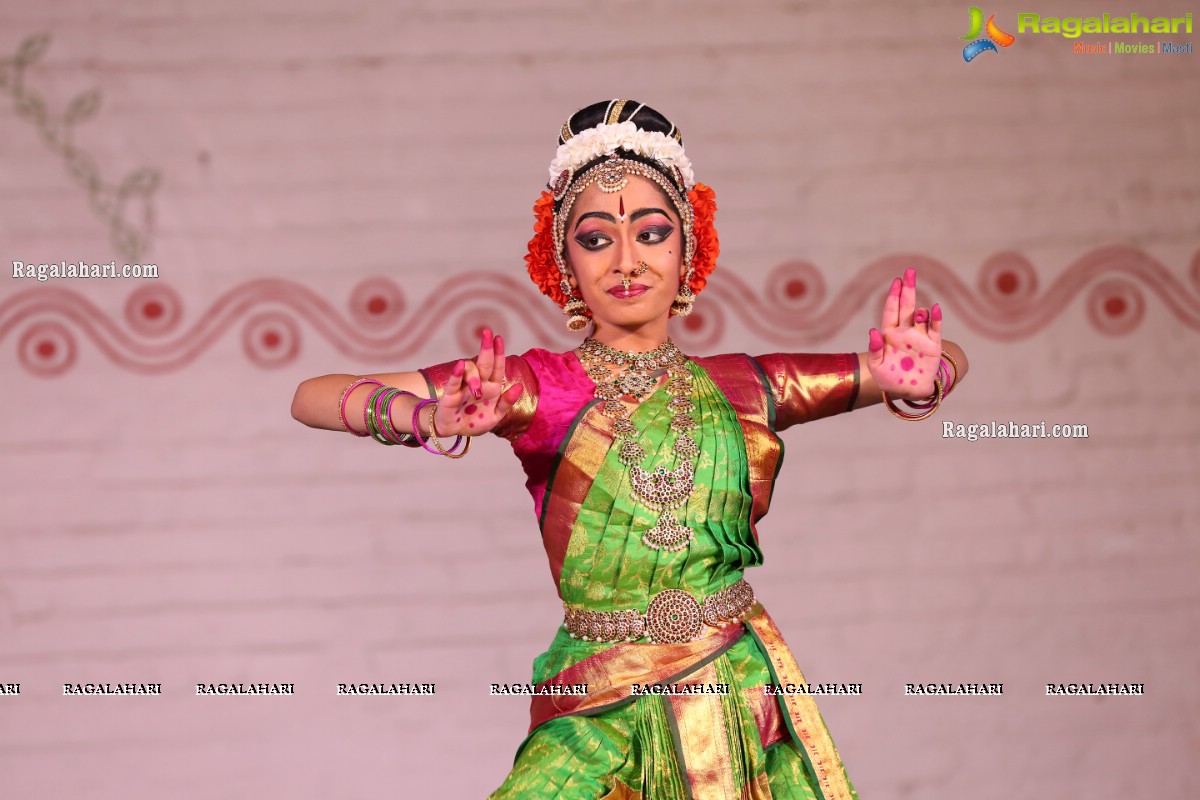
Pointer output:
625, 279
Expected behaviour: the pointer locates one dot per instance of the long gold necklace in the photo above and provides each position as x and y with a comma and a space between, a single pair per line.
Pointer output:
659, 489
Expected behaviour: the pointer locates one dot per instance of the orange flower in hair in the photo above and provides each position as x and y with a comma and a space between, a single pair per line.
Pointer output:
708, 247
540, 258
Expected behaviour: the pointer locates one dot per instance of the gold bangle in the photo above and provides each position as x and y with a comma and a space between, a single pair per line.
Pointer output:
937, 394
954, 364
433, 437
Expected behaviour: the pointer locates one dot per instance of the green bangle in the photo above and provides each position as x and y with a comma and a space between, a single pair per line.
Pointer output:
393, 436
372, 422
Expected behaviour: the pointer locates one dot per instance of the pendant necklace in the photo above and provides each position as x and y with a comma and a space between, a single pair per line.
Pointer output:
659, 489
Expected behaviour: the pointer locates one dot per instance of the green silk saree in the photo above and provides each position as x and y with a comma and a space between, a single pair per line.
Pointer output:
613, 742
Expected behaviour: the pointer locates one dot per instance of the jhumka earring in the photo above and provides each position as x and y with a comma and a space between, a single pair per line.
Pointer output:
574, 308
685, 298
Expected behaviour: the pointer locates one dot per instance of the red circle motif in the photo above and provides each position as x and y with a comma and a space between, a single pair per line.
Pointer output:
271, 339
376, 303
47, 349
1009, 280
1115, 306
153, 310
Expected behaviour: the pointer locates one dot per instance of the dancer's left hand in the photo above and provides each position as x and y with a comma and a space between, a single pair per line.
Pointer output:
903, 352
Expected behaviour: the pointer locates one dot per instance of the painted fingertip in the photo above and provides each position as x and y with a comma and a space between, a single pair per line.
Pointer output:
876, 340
936, 313
919, 316
459, 367
910, 277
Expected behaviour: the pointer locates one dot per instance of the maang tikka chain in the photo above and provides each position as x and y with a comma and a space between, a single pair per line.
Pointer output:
660, 489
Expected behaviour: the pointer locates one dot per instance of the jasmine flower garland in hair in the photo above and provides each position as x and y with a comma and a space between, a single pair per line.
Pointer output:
604, 139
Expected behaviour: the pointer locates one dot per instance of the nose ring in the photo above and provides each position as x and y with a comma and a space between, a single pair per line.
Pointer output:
641, 267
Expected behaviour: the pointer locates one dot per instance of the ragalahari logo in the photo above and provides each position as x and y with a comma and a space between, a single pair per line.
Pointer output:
995, 36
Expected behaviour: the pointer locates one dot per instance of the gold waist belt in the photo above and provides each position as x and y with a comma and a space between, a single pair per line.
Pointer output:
672, 615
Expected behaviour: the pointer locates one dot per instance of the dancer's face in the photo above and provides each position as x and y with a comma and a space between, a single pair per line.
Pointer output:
602, 247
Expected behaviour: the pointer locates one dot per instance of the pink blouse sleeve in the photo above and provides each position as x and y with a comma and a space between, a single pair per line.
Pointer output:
516, 370
808, 386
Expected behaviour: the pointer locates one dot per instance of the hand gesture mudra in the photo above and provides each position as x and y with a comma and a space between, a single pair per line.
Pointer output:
476, 397
903, 353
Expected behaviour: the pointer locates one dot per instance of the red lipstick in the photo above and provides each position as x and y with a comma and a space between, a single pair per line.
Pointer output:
634, 290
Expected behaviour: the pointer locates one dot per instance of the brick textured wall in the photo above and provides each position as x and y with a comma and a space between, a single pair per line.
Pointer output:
163, 519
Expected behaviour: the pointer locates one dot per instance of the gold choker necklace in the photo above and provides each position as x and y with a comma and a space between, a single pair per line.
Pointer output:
635, 377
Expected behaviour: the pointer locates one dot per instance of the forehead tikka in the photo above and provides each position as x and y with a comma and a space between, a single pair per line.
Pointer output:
612, 177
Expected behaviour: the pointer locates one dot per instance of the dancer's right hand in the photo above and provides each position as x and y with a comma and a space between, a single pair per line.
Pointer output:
474, 399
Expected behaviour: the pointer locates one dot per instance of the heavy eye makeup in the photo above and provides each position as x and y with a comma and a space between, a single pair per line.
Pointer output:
651, 234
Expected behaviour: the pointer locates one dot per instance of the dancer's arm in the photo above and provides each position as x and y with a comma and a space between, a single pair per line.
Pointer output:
473, 400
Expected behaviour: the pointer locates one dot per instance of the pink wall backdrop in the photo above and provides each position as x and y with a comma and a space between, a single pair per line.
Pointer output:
347, 187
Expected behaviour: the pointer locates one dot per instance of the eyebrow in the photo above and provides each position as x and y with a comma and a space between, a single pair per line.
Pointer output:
634, 217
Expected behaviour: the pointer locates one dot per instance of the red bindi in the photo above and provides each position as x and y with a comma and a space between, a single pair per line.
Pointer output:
471, 408
906, 363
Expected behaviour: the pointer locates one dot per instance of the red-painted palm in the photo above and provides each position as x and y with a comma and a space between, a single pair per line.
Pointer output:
475, 399
904, 351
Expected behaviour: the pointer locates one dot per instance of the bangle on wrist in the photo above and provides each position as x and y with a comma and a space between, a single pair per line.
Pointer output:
934, 402
416, 425
929, 402
342, 406
384, 414
433, 437
953, 380
375, 409
406, 439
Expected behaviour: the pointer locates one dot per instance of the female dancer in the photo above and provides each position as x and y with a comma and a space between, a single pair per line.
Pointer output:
649, 470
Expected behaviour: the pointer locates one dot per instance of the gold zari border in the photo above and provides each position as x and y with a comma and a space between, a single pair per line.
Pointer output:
801, 715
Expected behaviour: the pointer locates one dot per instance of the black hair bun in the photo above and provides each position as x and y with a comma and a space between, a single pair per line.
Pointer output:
611, 112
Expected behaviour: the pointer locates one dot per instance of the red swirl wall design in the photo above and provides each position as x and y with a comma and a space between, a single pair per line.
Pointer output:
46, 322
